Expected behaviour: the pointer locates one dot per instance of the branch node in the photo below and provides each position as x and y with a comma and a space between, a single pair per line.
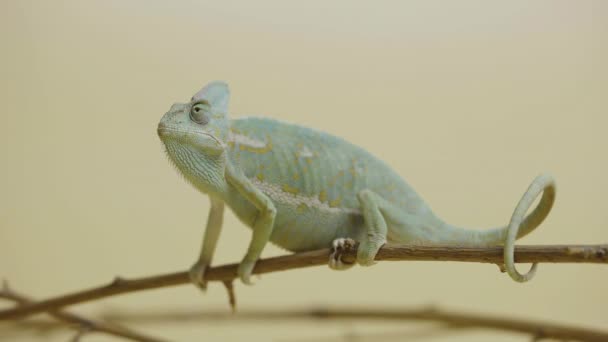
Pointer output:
80, 334
319, 313
431, 309
539, 336
118, 280
601, 253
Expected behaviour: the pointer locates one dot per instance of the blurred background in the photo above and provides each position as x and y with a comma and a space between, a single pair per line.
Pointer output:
467, 100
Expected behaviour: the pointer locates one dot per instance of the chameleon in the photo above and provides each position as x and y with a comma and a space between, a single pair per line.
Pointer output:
303, 189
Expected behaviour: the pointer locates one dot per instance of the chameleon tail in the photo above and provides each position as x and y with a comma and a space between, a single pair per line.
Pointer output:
520, 225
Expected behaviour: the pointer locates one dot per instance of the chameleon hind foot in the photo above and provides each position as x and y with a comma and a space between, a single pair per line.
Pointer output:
197, 275
339, 246
373, 207
245, 270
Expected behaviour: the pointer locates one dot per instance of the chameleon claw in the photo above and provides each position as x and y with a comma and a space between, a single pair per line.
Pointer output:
339, 246
244, 271
197, 275
367, 250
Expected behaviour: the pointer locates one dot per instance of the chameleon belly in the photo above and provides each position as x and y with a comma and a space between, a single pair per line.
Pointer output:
313, 179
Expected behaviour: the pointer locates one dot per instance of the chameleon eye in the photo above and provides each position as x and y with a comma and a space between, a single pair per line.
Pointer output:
197, 113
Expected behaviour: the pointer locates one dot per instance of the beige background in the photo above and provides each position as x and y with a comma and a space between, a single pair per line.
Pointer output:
467, 100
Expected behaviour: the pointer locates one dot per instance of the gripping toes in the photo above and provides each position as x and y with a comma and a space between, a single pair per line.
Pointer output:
339, 246
197, 275
244, 271
371, 205
368, 249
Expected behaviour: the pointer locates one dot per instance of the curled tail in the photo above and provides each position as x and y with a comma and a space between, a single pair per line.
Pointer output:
520, 225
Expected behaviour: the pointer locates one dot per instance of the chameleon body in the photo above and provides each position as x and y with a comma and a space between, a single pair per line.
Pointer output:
304, 189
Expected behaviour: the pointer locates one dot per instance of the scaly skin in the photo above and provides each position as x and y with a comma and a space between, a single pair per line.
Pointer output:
303, 189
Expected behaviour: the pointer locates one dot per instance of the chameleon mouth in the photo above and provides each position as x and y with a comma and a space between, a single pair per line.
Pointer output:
164, 130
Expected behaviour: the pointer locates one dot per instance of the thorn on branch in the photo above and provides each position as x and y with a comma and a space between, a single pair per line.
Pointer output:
80, 334
539, 336
118, 280
229, 285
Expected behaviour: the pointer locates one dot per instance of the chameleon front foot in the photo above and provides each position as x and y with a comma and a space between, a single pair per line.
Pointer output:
245, 270
197, 275
339, 246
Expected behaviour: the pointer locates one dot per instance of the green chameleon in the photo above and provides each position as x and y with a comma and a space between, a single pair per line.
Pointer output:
303, 189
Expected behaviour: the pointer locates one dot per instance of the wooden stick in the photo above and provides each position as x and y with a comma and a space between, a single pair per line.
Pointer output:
454, 319
526, 254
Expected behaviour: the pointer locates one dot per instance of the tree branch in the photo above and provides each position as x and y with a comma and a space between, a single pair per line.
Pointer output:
449, 319
526, 254
454, 319
83, 325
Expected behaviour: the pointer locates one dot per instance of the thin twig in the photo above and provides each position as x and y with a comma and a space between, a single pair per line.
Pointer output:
526, 254
83, 325
198, 317
453, 319
447, 318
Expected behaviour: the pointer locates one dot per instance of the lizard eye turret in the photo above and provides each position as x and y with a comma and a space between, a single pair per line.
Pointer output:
197, 113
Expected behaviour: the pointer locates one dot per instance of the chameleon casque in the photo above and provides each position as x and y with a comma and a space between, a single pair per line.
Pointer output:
303, 189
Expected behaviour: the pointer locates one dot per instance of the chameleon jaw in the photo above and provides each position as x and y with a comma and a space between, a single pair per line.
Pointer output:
171, 132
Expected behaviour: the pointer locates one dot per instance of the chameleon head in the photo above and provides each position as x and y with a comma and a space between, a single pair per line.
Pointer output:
195, 133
